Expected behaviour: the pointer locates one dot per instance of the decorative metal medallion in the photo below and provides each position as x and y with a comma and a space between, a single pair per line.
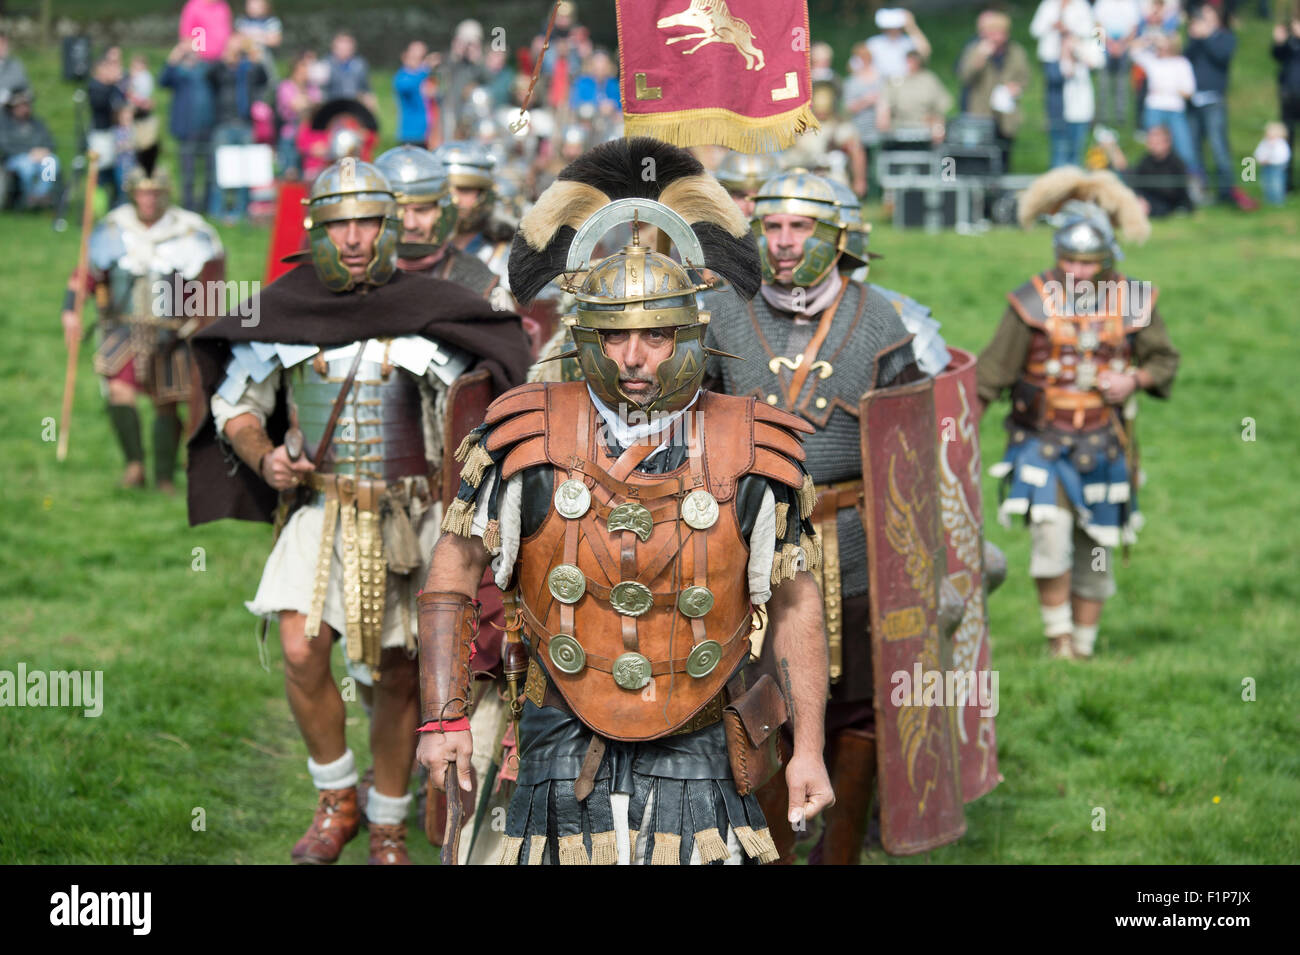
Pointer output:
700, 510
1053, 367
631, 598
572, 499
632, 517
567, 654
704, 658
1085, 376
1088, 339
631, 671
695, 601
567, 583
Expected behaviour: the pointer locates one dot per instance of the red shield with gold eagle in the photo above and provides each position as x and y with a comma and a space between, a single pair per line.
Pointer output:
916, 734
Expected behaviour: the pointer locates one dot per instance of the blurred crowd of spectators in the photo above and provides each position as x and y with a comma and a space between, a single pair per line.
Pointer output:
234, 82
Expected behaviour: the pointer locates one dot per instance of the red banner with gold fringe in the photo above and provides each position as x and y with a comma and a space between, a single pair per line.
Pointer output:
732, 73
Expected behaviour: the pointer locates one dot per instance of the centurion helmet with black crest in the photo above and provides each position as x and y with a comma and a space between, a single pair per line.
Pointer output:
648, 183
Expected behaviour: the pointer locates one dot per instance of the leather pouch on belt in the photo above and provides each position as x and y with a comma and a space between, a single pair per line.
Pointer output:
752, 721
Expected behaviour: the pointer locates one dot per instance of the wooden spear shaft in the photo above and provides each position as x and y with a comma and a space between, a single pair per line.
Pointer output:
79, 300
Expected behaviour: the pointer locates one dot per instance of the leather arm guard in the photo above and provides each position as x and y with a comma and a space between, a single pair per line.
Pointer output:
252, 444
448, 625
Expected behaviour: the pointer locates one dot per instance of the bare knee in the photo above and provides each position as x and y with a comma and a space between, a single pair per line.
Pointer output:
120, 393
304, 659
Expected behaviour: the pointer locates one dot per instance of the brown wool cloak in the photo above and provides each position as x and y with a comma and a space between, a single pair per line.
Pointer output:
298, 309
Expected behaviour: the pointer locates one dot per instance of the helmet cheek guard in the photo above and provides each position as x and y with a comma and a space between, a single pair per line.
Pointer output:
336, 276
679, 376
821, 251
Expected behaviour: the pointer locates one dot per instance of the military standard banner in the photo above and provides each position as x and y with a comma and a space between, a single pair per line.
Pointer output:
733, 73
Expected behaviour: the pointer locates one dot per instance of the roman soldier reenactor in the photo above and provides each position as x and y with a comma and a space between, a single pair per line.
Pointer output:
139, 253
834, 351
637, 525
341, 403
479, 230
429, 216
1076, 344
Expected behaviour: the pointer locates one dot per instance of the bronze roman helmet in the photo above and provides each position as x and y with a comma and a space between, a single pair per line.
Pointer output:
636, 288
158, 179
642, 182
352, 189
839, 229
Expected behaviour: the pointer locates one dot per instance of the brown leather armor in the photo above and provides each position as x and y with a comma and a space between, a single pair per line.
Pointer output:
557, 424
1058, 386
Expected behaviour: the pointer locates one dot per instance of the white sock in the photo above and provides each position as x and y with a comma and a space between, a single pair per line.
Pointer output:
1084, 639
386, 810
1057, 621
339, 774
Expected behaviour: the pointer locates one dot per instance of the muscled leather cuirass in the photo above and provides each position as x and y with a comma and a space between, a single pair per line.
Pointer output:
1071, 345
635, 590
379, 433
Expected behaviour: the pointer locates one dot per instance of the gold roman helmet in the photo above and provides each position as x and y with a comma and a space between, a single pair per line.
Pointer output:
159, 179
637, 288
352, 189
839, 229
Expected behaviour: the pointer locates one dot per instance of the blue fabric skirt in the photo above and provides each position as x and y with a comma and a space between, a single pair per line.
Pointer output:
1090, 469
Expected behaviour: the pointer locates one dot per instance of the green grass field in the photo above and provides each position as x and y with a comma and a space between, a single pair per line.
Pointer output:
1155, 731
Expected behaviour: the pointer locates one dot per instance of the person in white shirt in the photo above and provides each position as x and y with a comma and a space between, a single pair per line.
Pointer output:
1274, 156
899, 35
1055, 21
1119, 21
1170, 84
1079, 57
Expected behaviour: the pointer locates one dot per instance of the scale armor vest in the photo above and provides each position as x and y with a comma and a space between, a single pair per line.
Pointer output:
379, 433
582, 619
867, 346
1058, 384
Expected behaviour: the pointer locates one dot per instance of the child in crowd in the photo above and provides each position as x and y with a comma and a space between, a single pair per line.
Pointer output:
1273, 155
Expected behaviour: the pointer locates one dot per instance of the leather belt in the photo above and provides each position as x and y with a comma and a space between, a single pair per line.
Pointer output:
366, 493
542, 692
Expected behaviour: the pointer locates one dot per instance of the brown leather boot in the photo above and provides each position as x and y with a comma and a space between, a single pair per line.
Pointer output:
774, 799
388, 844
334, 825
851, 761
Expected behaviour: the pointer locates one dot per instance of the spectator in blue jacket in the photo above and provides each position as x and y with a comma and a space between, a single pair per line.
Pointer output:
191, 120
410, 84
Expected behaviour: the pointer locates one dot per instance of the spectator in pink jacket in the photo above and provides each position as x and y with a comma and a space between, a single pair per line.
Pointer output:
206, 25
